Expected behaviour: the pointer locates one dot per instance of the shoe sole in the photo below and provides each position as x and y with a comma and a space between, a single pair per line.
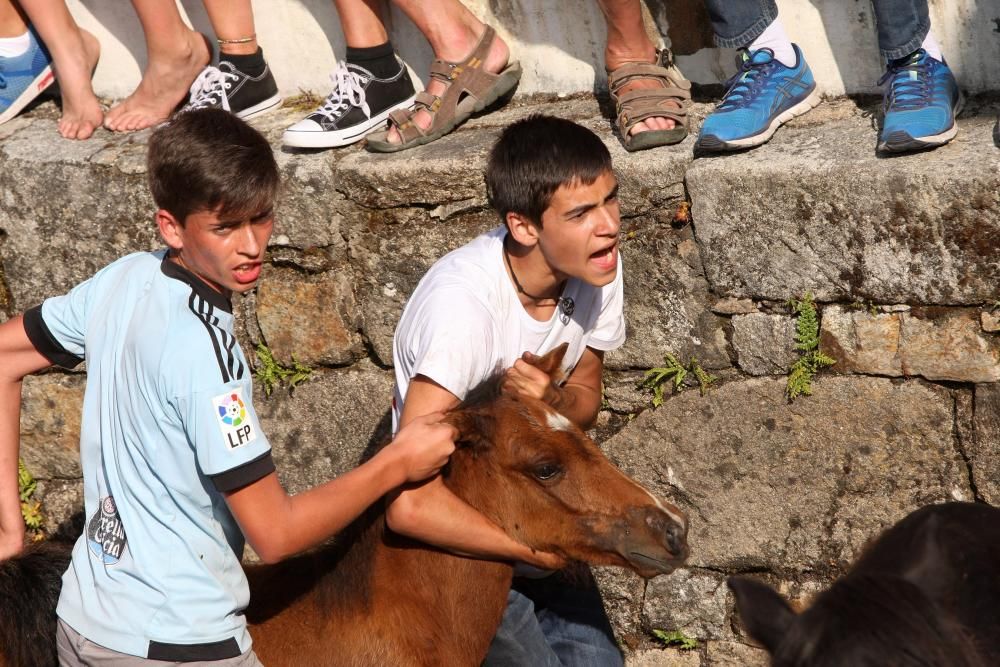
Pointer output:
647, 139
711, 143
337, 138
901, 142
37, 87
259, 108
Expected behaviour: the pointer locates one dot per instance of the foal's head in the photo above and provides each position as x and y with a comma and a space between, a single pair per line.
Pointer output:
548, 485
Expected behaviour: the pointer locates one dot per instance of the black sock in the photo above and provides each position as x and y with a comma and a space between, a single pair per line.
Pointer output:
253, 64
379, 60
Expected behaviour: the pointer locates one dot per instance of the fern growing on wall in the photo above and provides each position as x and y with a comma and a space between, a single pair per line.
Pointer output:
675, 373
810, 360
270, 373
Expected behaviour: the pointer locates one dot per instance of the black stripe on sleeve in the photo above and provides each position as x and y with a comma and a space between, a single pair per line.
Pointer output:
203, 312
46, 344
248, 473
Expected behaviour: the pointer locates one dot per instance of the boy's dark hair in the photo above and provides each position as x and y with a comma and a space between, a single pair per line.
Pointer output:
534, 156
208, 159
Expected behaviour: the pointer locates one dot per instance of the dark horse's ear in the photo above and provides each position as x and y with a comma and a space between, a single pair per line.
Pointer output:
551, 362
765, 614
475, 429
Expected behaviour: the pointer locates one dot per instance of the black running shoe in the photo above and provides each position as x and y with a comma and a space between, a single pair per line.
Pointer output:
225, 87
359, 104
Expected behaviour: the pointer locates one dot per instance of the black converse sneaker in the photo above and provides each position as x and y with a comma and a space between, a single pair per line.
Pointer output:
225, 87
359, 103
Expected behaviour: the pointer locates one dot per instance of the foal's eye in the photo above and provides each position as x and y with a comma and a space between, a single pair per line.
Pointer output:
546, 471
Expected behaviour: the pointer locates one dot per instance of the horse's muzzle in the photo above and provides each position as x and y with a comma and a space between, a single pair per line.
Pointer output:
655, 541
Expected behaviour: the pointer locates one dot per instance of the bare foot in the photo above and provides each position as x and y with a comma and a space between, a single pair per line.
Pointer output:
643, 84
164, 84
82, 113
496, 60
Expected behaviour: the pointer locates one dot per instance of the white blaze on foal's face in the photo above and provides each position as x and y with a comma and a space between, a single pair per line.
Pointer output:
557, 422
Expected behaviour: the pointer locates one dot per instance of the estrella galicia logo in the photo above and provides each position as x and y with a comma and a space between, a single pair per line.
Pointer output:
106, 533
234, 418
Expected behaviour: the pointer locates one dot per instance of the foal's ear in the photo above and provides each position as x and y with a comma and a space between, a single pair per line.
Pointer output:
475, 429
765, 614
551, 362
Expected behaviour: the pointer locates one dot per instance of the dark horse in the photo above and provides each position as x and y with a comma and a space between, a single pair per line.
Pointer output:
926, 593
375, 598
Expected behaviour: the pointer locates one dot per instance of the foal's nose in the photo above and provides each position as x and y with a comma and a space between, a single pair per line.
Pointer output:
671, 529
676, 538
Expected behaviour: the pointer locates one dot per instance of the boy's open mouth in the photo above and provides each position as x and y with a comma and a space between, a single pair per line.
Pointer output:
247, 273
606, 257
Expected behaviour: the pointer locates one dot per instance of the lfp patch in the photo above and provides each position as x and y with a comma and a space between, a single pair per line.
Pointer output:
234, 419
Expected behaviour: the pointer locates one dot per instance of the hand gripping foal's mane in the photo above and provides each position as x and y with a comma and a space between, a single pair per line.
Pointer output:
339, 572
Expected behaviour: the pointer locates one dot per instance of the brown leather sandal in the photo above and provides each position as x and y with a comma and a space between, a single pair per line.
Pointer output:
672, 101
470, 89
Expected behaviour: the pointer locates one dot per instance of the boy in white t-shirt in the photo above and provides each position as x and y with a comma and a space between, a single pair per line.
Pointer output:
550, 275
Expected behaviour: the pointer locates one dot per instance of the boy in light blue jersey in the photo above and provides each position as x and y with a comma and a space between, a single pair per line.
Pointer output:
175, 465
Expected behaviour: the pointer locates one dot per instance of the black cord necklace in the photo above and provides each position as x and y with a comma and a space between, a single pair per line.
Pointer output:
517, 283
564, 303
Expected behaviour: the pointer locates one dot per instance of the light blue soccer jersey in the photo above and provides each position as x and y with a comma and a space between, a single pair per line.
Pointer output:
168, 426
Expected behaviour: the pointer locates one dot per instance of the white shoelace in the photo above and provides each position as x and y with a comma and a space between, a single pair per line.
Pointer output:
209, 89
348, 91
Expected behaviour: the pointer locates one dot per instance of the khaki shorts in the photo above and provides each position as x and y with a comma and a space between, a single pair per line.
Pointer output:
75, 650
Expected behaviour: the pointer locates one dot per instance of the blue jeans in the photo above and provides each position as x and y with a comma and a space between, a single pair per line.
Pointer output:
551, 623
902, 24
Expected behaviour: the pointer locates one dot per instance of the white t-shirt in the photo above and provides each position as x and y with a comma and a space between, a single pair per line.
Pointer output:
464, 322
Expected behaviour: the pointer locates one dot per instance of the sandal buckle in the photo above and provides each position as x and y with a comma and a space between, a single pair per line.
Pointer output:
666, 57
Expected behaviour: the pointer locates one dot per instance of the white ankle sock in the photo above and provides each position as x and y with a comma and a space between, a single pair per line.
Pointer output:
931, 46
12, 47
774, 38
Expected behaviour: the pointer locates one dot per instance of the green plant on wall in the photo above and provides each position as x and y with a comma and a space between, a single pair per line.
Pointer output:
270, 373
676, 639
810, 360
31, 510
703, 377
868, 306
673, 372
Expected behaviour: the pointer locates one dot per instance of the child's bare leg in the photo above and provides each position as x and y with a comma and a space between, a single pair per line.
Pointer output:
74, 56
453, 32
362, 22
233, 21
13, 23
176, 56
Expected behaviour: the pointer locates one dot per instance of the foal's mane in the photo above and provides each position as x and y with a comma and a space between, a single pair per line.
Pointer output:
341, 569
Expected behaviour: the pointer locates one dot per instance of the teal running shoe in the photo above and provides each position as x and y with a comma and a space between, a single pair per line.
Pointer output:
919, 104
762, 96
24, 77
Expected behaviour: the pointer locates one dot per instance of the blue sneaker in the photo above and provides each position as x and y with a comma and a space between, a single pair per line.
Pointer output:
762, 96
920, 104
24, 77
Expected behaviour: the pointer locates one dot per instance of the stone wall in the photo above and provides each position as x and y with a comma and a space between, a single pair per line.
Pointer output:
901, 254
